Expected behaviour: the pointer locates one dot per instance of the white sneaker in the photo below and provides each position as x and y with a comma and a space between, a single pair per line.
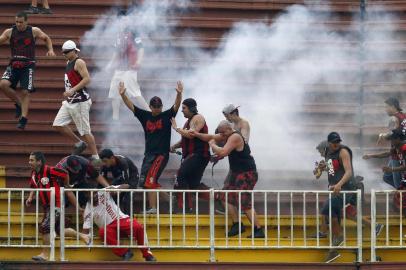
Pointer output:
151, 211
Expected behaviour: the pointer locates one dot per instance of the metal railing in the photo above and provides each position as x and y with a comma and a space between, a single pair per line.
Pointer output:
288, 218
19, 209
388, 211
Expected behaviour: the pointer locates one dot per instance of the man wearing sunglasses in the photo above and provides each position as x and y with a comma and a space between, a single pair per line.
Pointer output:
157, 127
76, 107
22, 38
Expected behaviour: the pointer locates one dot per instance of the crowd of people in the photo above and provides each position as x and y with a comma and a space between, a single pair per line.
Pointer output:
197, 146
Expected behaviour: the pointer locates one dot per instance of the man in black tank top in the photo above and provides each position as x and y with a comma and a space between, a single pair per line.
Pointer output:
243, 173
22, 39
195, 152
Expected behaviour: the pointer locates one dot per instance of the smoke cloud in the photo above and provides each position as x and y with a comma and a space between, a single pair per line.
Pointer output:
294, 80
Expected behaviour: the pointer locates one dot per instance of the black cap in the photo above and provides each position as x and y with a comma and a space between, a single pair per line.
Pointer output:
73, 164
155, 102
397, 134
106, 153
392, 101
333, 137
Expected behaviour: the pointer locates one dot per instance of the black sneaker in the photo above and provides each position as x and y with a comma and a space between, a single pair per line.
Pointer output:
378, 229
45, 10
32, 10
150, 258
258, 233
18, 110
22, 122
332, 256
79, 148
234, 229
128, 255
219, 208
321, 235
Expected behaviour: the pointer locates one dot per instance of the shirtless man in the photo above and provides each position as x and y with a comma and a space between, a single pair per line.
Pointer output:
232, 115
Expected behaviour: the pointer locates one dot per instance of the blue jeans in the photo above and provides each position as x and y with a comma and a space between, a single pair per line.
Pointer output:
393, 178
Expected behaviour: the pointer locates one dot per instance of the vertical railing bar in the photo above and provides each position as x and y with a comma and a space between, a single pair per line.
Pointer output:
105, 217
252, 217
304, 219
373, 225
197, 218
226, 215
91, 216
8, 215
52, 226
387, 218
266, 217
158, 218
278, 202
62, 224
144, 209
344, 220
170, 217
359, 225
330, 234
183, 219
77, 217
117, 216
36, 217
291, 219
239, 219
22, 217
401, 219
317, 221
212, 229
131, 218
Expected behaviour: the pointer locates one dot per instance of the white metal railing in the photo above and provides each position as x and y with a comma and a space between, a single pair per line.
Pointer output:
388, 213
19, 209
201, 228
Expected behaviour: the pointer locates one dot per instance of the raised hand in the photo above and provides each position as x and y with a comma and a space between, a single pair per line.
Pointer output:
179, 87
121, 88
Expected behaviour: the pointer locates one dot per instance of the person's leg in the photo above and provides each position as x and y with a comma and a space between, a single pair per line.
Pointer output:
25, 103
45, 230
5, 87
138, 234
80, 116
69, 232
134, 90
111, 238
115, 105
45, 4
34, 3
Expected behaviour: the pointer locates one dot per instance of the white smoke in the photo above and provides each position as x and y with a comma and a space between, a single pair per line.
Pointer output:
277, 73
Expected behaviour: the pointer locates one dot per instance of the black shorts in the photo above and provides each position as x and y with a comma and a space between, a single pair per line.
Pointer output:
337, 205
191, 172
24, 76
151, 169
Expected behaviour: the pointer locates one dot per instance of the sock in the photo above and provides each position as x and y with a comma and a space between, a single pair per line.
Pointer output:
96, 156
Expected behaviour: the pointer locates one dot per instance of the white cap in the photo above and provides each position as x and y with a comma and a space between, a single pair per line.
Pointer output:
69, 45
230, 108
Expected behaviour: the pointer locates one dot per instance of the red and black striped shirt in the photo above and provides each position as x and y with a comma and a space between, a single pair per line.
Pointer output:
195, 145
48, 177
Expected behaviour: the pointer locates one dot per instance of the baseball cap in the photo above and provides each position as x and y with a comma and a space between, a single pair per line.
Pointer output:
155, 102
397, 134
230, 108
69, 45
333, 137
73, 164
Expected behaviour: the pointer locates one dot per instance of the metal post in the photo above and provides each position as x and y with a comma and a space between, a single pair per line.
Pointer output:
362, 69
52, 227
212, 243
359, 224
62, 225
373, 224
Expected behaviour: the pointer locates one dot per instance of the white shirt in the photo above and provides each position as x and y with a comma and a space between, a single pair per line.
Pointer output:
105, 211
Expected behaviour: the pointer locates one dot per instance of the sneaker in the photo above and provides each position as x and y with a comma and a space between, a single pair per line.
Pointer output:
32, 10
151, 211
378, 229
258, 233
234, 229
321, 235
45, 10
18, 111
150, 258
338, 241
22, 122
39, 258
128, 255
79, 148
332, 256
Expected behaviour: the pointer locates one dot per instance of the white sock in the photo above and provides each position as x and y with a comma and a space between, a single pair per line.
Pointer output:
95, 156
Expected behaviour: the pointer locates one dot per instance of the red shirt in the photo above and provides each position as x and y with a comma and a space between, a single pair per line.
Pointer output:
48, 177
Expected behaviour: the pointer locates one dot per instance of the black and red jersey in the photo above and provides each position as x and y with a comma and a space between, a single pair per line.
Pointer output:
87, 170
195, 145
72, 78
402, 121
128, 45
22, 44
399, 154
48, 177
336, 168
241, 161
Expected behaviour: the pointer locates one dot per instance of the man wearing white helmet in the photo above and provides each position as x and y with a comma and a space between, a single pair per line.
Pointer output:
76, 107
